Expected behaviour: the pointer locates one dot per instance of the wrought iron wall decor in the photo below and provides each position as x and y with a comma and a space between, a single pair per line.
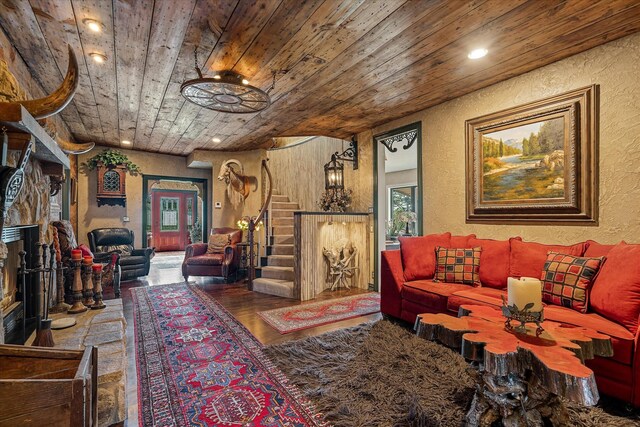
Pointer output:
409, 136
11, 178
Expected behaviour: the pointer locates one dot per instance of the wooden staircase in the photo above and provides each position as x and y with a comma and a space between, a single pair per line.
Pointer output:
276, 276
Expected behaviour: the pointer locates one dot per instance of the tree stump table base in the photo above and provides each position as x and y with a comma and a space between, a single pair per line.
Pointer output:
520, 375
516, 402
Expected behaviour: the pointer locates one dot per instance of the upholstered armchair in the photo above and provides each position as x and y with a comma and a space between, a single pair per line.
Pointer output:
66, 241
133, 262
220, 257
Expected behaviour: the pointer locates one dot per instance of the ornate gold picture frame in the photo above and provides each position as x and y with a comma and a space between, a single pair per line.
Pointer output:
535, 163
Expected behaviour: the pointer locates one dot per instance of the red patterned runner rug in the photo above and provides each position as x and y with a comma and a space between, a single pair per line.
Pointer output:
198, 366
290, 319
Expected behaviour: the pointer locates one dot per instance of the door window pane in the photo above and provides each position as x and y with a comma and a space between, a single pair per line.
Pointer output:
169, 212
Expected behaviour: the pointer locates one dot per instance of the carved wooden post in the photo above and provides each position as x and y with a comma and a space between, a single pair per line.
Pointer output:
3, 257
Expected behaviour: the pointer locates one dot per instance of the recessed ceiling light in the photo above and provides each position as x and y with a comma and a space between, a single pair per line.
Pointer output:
245, 81
126, 142
477, 53
93, 25
98, 57
217, 76
216, 140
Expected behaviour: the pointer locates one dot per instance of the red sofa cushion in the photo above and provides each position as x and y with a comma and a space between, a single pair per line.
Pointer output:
206, 259
567, 280
476, 296
527, 258
595, 249
616, 291
461, 241
494, 261
430, 294
621, 338
419, 255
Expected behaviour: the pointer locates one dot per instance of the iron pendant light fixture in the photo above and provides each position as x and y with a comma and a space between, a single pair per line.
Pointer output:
226, 91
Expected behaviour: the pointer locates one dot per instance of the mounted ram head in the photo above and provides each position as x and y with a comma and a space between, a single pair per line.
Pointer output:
238, 184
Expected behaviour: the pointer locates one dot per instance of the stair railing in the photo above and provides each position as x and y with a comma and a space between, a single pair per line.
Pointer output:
252, 227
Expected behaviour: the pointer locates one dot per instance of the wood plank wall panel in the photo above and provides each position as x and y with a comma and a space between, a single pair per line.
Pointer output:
168, 29
311, 234
57, 22
341, 67
303, 186
131, 24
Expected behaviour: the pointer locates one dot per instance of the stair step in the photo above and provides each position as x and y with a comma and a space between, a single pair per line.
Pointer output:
283, 239
281, 250
283, 231
285, 205
280, 260
281, 288
280, 273
282, 221
279, 198
282, 213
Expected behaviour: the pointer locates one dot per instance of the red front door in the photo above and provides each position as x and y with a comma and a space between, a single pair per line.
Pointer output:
172, 215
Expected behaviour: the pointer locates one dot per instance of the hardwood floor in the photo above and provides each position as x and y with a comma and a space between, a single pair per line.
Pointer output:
235, 298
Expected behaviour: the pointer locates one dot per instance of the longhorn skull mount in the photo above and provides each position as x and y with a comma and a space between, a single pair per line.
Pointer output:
54, 103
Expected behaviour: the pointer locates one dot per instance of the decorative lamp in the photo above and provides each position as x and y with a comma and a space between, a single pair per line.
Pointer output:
334, 170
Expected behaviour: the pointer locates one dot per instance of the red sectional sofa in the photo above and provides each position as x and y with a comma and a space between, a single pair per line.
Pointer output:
408, 289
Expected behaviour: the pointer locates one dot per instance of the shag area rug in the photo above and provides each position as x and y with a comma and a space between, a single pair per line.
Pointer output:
198, 366
290, 319
381, 374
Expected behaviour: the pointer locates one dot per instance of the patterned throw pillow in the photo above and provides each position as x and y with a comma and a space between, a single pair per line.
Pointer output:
458, 265
566, 280
217, 242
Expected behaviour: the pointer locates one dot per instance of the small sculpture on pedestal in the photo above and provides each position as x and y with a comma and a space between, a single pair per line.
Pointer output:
87, 282
342, 264
78, 306
97, 281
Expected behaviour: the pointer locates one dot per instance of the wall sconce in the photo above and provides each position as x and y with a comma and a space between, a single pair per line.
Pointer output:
334, 170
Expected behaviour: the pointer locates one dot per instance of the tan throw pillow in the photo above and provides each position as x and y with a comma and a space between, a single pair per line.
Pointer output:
217, 242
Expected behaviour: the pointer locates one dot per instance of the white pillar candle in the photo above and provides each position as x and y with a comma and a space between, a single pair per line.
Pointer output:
524, 291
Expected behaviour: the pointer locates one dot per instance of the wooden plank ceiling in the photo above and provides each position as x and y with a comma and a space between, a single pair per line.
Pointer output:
342, 66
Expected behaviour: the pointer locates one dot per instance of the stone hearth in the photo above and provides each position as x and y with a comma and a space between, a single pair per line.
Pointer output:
104, 329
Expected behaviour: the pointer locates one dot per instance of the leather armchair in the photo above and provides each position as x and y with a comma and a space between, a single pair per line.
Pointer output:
133, 262
197, 262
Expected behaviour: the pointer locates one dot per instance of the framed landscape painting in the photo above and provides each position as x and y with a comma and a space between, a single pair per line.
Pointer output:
536, 163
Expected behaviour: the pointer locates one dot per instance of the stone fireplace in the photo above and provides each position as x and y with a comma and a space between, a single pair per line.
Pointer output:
18, 303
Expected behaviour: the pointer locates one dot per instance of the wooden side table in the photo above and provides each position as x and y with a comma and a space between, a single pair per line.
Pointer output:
520, 376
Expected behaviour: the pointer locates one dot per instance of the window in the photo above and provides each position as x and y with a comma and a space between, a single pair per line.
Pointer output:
401, 199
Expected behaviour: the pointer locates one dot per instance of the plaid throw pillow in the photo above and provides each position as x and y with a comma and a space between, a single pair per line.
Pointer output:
217, 242
566, 280
458, 265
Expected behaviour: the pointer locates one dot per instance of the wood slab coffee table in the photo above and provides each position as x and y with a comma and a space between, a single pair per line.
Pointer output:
521, 377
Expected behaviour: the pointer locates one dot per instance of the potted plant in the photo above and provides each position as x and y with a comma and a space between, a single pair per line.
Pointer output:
335, 200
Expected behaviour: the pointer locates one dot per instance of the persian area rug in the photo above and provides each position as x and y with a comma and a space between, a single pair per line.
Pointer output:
381, 374
290, 319
198, 366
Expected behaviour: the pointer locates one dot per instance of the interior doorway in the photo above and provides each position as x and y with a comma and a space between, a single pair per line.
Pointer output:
397, 188
174, 212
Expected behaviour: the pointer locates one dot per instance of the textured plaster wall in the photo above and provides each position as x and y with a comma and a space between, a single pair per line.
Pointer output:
227, 215
90, 216
616, 68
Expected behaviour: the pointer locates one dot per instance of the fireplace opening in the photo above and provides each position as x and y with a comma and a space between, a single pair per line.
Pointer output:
19, 303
